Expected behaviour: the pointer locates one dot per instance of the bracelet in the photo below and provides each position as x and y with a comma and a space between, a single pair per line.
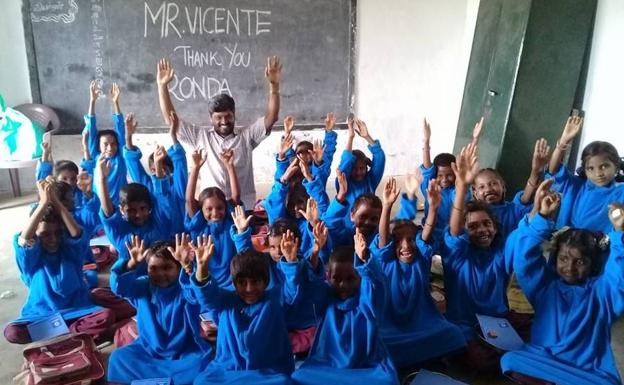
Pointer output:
457, 208
428, 224
563, 147
275, 92
531, 183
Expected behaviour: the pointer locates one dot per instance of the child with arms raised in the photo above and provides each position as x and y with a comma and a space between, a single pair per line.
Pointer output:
348, 348
139, 212
106, 143
174, 165
585, 197
210, 215
49, 254
576, 301
252, 342
413, 329
169, 343
477, 266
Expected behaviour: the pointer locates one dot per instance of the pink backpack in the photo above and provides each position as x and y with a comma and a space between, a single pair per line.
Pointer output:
69, 359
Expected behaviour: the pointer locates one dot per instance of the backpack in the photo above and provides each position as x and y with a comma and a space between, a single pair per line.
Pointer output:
69, 359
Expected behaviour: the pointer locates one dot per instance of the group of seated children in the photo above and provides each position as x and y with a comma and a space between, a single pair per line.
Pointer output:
340, 285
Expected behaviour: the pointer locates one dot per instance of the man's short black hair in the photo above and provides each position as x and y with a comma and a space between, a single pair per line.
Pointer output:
221, 103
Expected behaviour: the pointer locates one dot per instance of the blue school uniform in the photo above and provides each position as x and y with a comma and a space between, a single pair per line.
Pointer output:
585, 205
169, 342
509, 214
341, 228
413, 329
156, 228
179, 179
571, 334
55, 281
373, 176
348, 348
321, 170
252, 343
117, 177
475, 280
227, 243
45, 169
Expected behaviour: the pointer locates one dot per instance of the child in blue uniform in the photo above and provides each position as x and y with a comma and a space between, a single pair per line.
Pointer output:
174, 164
348, 348
413, 329
343, 219
107, 143
210, 215
363, 174
576, 301
139, 213
49, 253
169, 343
489, 187
252, 342
585, 197
477, 266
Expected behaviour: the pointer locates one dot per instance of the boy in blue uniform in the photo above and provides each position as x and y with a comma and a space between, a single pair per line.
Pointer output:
169, 343
576, 301
252, 342
348, 348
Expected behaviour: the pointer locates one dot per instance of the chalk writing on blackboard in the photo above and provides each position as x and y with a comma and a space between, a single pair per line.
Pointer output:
54, 11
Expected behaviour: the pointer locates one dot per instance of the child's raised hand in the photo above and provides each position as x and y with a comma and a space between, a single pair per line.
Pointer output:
289, 124
198, 158
85, 182
131, 124
391, 193
93, 91
104, 167
305, 169
330, 121
164, 72
361, 129
204, 249
85, 145
291, 170
476, 131
540, 155
273, 70
289, 246
351, 126
361, 248
426, 131
285, 145
412, 183
318, 150
136, 251
467, 166
550, 204
570, 130
46, 151
241, 221
183, 252
616, 215
115, 92
434, 194
44, 192
343, 187
227, 157
321, 234
159, 154
311, 214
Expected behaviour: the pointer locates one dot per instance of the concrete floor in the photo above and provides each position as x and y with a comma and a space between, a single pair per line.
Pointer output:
13, 217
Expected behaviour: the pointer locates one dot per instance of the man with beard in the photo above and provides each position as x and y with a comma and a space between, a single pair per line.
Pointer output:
223, 135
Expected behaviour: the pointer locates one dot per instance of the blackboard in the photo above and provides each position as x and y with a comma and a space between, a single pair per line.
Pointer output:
214, 46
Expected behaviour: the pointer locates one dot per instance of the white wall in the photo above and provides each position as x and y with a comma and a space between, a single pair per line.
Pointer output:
14, 81
605, 79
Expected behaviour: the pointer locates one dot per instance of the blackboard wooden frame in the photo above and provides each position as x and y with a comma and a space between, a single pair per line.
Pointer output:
35, 82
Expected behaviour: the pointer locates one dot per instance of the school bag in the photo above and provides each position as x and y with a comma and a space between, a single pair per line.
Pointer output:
69, 359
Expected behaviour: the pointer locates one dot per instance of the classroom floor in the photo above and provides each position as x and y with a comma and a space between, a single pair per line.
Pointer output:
13, 216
